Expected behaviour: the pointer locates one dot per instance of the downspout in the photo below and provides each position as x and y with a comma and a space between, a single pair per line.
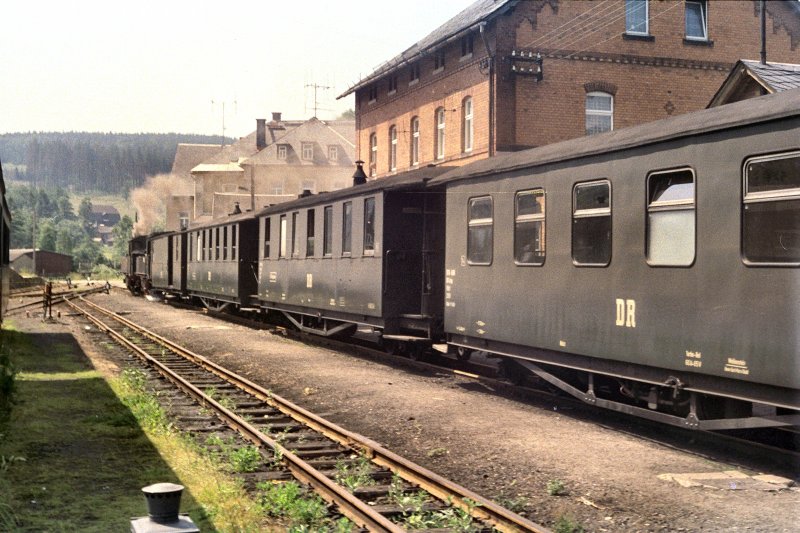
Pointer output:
490, 60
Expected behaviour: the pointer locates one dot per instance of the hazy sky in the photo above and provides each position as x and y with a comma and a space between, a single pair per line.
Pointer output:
157, 66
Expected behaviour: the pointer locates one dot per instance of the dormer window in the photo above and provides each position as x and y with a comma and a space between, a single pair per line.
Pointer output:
333, 154
308, 151
282, 151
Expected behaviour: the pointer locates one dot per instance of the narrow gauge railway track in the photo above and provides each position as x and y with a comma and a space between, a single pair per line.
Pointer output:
309, 447
773, 449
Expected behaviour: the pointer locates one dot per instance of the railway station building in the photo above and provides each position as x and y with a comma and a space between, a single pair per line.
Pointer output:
506, 75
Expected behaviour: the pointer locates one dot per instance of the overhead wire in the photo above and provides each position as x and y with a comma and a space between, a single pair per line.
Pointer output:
546, 36
613, 12
619, 15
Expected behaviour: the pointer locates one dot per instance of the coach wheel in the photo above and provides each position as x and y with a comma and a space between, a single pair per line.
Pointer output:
392, 347
417, 352
463, 354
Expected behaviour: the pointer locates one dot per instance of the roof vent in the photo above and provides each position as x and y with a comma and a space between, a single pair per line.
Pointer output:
236, 209
305, 194
359, 177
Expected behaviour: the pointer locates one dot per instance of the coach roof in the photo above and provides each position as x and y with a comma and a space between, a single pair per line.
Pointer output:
752, 111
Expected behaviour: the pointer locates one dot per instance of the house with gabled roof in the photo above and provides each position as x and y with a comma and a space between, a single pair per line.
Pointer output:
749, 79
275, 163
505, 75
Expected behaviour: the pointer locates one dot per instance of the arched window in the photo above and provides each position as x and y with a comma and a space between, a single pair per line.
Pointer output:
599, 112
373, 154
415, 141
438, 149
393, 148
466, 119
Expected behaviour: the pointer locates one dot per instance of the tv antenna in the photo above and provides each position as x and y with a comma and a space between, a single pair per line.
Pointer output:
235, 104
316, 87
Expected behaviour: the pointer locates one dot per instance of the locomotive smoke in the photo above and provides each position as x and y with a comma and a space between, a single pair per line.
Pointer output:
150, 200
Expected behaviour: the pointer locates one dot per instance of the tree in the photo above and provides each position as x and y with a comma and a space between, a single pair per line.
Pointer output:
85, 214
48, 234
122, 234
347, 115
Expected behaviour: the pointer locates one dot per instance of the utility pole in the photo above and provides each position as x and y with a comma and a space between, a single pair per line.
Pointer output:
315, 86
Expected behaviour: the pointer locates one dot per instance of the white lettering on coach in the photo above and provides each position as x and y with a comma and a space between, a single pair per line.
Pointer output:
626, 313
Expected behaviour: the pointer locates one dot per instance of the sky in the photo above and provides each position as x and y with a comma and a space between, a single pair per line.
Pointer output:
174, 65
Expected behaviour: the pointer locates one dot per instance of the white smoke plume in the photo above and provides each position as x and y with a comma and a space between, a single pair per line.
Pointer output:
150, 200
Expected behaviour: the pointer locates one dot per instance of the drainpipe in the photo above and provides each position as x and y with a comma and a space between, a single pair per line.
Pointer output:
490, 59
763, 32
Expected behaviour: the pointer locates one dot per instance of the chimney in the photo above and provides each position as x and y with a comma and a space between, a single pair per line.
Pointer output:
236, 209
276, 116
359, 177
261, 133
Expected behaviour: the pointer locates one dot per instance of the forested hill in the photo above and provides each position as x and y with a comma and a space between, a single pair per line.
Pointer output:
80, 161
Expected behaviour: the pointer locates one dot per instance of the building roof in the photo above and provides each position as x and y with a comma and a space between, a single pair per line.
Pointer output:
188, 156
102, 209
772, 78
16, 253
469, 18
321, 134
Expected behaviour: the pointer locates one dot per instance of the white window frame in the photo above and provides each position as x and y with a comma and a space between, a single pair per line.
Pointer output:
468, 129
600, 112
282, 151
629, 9
333, 154
393, 148
373, 154
414, 141
440, 133
703, 16
307, 151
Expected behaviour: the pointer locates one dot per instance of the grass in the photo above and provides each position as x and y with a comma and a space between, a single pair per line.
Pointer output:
556, 487
77, 450
298, 510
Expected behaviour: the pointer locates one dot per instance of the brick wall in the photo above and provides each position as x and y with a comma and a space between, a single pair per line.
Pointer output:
650, 77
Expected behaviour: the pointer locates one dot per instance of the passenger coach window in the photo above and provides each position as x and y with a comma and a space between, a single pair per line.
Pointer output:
282, 249
234, 243
529, 228
347, 228
327, 243
369, 226
225, 243
591, 223
670, 218
310, 233
480, 231
216, 244
267, 236
295, 235
771, 211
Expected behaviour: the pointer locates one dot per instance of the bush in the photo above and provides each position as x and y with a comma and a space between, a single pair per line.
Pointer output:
7, 383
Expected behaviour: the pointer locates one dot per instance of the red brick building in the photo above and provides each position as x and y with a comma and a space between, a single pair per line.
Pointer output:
475, 86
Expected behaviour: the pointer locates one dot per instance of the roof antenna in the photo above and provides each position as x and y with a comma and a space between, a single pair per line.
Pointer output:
763, 32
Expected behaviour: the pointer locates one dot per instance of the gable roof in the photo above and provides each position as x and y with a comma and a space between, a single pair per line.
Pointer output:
317, 132
102, 209
468, 19
188, 156
772, 78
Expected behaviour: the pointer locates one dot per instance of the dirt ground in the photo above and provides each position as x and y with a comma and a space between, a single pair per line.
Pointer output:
507, 450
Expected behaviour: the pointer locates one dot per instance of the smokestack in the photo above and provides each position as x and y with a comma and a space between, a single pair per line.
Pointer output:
261, 133
359, 177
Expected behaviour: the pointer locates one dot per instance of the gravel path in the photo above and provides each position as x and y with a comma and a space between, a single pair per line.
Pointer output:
504, 449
